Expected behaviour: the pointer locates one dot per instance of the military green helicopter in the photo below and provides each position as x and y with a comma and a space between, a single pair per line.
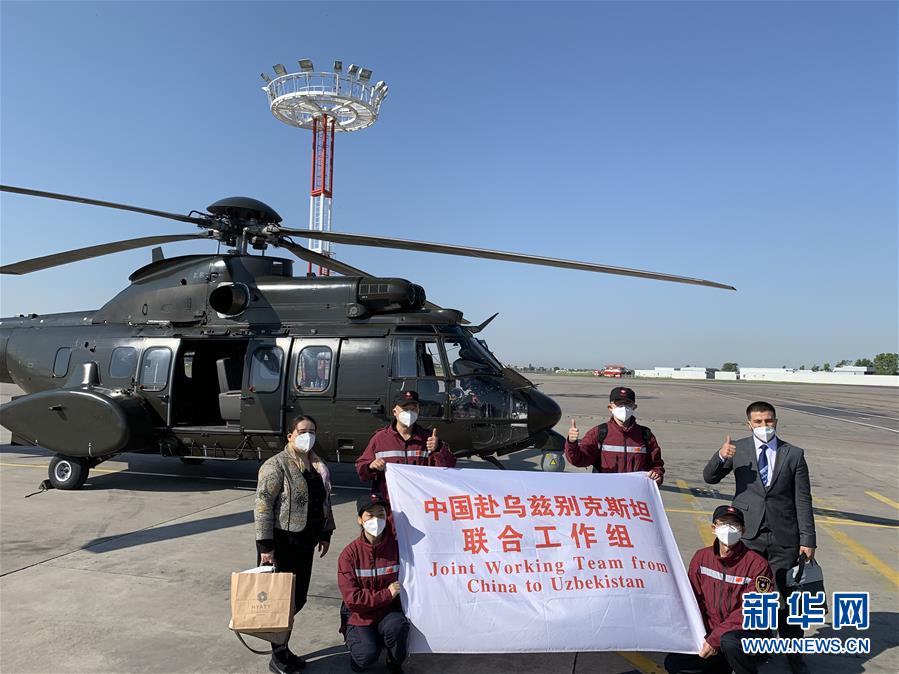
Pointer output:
209, 356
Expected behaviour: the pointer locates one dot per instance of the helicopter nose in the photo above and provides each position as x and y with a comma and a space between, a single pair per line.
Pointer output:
543, 412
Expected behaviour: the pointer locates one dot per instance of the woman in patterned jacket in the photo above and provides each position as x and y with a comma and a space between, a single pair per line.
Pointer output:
293, 517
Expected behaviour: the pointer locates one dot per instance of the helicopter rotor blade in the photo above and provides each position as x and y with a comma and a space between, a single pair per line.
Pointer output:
330, 263
316, 258
466, 251
65, 257
105, 204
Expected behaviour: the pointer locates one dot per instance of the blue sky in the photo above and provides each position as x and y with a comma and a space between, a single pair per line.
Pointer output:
749, 143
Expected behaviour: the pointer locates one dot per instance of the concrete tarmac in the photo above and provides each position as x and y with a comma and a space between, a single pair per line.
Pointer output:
132, 573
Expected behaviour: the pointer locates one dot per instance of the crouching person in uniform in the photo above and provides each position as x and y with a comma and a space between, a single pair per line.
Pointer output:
367, 573
720, 575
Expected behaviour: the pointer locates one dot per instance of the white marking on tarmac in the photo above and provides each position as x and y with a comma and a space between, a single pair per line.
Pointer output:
864, 415
823, 416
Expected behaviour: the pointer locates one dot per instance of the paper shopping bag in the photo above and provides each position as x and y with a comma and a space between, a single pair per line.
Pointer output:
262, 602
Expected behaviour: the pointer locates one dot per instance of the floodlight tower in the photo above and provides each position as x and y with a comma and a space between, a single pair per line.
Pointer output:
324, 102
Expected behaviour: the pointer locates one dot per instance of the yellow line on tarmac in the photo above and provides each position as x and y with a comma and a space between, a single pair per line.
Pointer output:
849, 523
860, 551
642, 663
705, 532
825, 520
857, 553
883, 499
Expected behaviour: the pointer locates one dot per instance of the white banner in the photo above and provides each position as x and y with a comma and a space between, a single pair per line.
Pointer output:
504, 561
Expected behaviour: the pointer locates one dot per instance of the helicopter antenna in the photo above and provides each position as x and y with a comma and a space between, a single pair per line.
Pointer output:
324, 102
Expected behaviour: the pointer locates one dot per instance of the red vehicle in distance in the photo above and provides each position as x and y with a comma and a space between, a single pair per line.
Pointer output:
616, 371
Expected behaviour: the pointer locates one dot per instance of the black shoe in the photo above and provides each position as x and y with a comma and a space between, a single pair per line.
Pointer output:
294, 660
797, 664
355, 667
277, 667
392, 665
280, 664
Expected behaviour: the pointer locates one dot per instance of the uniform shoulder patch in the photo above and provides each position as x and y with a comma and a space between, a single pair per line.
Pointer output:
763, 584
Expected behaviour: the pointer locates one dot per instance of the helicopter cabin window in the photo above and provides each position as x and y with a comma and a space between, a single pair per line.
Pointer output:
265, 369
416, 358
154, 372
61, 362
122, 362
314, 369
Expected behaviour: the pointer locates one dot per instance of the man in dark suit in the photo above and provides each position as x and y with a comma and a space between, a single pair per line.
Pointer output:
773, 491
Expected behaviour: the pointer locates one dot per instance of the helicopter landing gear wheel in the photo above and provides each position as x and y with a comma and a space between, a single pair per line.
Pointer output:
68, 472
191, 461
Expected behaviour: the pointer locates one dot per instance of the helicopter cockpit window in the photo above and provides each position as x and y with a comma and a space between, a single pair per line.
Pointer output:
123, 362
265, 369
154, 372
485, 398
314, 369
420, 359
61, 362
429, 361
468, 356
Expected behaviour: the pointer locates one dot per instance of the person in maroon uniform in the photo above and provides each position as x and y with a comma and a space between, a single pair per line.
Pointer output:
403, 441
620, 445
367, 572
720, 575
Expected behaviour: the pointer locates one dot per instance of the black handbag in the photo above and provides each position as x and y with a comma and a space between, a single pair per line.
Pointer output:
806, 576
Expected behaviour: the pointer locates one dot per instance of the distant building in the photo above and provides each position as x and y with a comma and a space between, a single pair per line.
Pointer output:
689, 372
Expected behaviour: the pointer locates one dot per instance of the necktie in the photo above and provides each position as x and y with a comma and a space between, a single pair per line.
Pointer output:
763, 464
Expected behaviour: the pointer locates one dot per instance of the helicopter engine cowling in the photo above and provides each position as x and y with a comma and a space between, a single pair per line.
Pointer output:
390, 294
88, 422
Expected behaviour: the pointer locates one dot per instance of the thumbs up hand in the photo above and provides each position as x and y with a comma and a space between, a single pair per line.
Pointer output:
573, 432
728, 449
433, 441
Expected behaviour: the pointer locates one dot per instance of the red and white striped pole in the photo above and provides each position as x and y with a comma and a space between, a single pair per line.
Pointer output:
321, 191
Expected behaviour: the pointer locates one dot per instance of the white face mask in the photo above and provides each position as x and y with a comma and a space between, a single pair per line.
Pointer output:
374, 526
622, 413
407, 417
764, 433
728, 534
303, 442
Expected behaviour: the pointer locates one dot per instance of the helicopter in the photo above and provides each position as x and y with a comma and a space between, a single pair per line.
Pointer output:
209, 356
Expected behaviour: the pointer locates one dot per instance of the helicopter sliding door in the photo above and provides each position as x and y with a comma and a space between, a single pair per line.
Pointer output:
361, 394
417, 364
262, 399
310, 383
